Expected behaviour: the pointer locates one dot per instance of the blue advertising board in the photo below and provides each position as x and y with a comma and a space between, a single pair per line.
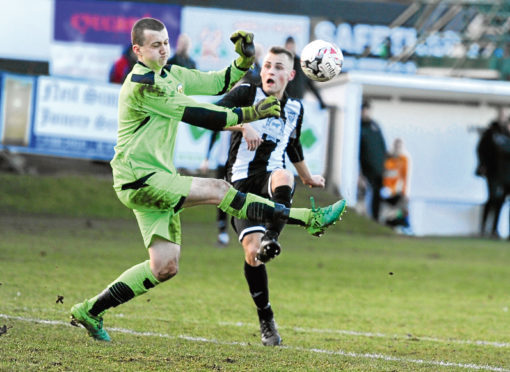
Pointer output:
108, 22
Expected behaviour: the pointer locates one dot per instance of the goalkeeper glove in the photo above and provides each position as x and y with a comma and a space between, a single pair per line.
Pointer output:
264, 108
244, 46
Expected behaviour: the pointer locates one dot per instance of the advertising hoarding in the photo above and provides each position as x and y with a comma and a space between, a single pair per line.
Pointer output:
89, 36
212, 48
108, 22
75, 118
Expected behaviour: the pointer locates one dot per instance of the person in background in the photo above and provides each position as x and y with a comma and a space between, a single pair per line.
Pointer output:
372, 155
502, 145
222, 138
122, 66
298, 86
181, 56
395, 189
489, 167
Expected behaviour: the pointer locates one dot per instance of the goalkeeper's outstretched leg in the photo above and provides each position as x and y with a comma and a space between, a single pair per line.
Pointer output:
259, 209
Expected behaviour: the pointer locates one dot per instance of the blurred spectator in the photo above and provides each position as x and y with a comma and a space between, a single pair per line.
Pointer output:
372, 155
223, 139
253, 74
502, 144
488, 167
396, 188
181, 56
298, 86
123, 65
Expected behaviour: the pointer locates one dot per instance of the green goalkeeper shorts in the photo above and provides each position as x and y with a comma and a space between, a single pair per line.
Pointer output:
156, 200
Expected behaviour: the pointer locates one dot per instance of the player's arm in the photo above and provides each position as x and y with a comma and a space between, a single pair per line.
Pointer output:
308, 179
206, 115
251, 136
218, 83
243, 96
211, 83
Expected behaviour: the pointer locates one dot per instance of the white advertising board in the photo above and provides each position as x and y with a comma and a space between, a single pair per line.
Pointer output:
212, 48
83, 60
75, 118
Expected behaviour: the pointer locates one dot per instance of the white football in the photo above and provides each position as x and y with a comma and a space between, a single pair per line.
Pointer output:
321, 60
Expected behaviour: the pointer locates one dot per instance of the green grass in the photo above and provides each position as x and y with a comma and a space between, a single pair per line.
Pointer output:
359, 298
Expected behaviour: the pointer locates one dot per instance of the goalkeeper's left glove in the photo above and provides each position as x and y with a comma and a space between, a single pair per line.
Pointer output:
244, 46
269, 106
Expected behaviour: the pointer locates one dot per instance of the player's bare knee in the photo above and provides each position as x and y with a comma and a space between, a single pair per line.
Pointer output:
167, 270
221, 187
282, 177
164, 259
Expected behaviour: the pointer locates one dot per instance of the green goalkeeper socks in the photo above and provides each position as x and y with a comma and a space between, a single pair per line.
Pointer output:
131, 283
235, 203
238, 204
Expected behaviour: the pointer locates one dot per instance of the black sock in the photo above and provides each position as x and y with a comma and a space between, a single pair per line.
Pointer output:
256, 276
107, 299
281, 195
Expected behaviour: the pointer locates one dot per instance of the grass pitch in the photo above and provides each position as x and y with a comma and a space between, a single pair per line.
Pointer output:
359, 298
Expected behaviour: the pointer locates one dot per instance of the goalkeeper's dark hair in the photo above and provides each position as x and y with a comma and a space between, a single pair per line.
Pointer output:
144, 24
282, 50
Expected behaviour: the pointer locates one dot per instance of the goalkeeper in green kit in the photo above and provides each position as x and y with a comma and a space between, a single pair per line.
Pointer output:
153, 100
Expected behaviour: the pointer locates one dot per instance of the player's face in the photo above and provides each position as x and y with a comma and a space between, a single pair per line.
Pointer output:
276, 71
155, 50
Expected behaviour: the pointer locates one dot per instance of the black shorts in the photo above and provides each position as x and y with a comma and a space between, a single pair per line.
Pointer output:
259, 185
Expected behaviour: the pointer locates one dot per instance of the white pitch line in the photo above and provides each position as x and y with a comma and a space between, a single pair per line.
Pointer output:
349, 354
380, 335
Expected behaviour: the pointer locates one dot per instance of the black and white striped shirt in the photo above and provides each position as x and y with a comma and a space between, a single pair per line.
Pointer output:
280, 135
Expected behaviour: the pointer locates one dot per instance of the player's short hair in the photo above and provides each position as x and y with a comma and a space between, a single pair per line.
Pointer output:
281, 50
141, 25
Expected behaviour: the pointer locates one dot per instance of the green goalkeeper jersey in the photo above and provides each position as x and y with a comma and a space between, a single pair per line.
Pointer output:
152, 105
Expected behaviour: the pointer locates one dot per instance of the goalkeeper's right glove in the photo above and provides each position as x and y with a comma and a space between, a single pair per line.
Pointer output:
244, 46
264, 108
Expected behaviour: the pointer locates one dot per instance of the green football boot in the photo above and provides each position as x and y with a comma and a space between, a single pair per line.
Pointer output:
322, 218
94, 324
